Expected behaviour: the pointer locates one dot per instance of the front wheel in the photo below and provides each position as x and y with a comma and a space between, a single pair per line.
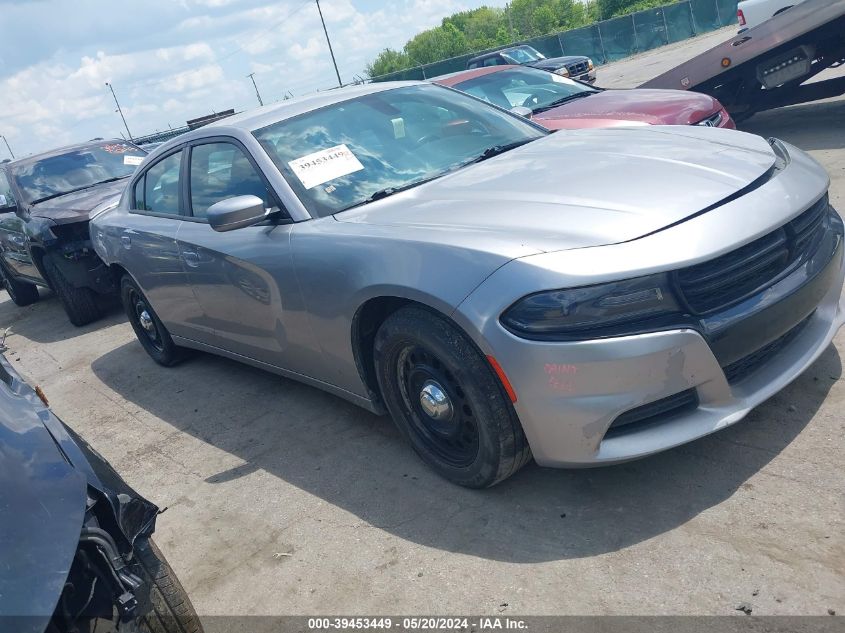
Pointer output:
446, 399
163, 606
149, 329
80, 304
20, 292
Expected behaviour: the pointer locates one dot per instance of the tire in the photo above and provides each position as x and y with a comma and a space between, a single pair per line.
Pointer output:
80, 304
163, 605
149, 329
475, 439
20, 292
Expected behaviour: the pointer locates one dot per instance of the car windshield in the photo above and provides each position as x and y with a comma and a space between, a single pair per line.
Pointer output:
523, 55
76, 169
526, 87
356, 151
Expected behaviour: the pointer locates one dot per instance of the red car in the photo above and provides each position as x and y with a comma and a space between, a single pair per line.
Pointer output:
559, 103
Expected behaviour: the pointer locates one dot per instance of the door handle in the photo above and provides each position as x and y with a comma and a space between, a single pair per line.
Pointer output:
191, 258
126, 241
18, 240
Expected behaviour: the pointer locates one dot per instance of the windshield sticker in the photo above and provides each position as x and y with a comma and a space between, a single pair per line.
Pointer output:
133, 160
118, 148
320, 167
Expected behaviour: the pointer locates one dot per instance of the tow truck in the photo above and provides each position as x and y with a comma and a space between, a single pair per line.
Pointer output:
770, 65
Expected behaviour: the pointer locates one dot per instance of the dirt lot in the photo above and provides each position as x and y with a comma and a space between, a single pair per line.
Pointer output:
284, 500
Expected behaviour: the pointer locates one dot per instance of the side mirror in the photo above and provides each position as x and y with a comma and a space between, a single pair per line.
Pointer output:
522, 111
236, 213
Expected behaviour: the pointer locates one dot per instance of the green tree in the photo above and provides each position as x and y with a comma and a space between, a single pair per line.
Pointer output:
441, 42
388, 61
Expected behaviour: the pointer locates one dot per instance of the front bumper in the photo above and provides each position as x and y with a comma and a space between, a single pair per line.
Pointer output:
588, 77
570, 393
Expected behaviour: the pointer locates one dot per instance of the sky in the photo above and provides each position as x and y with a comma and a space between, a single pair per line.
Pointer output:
174, 60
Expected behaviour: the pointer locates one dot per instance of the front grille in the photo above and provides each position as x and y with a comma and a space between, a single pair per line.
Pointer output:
577, 69
728, 279
747, 365
653, 412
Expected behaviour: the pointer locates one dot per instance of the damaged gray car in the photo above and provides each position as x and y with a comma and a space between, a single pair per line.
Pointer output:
585, 297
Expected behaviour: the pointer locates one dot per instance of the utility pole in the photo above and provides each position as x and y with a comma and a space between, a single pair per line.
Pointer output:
510, 19
7, 145
257, 94
119, 110
334, 61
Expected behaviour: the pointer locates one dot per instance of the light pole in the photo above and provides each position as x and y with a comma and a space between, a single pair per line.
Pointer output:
257, 94
334, 61
7, 145
119, 110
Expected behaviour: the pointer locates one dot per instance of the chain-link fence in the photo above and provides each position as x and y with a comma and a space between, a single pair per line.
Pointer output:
609, 40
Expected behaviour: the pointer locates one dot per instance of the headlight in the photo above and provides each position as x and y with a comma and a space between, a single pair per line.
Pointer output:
574, 312
563, 72
590, 63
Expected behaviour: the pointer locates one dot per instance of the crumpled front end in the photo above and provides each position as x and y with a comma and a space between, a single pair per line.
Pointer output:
61, 501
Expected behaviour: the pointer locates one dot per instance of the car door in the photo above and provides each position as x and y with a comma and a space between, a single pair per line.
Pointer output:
243, 279
148, 248
13, 242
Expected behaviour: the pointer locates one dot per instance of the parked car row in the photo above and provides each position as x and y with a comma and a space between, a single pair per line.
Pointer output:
583, 297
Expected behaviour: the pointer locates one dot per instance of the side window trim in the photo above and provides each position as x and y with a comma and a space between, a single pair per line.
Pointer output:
231, 140
133, 206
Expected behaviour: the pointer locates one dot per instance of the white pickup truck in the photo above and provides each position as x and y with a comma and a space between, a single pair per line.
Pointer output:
753, 12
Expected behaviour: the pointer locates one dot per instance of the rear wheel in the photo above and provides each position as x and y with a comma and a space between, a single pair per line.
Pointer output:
80, 304
20, 292
149, 329
446, 399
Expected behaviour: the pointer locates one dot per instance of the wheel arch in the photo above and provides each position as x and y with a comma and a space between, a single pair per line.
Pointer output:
366, 322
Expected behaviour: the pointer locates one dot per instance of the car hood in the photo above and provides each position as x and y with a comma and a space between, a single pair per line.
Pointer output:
557, 62
576, 189
45, 475
77, 207
620, 107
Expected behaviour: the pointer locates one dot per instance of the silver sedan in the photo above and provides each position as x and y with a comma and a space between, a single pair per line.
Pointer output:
583, 297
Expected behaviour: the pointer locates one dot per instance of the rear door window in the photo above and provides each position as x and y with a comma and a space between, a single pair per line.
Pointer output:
158, 190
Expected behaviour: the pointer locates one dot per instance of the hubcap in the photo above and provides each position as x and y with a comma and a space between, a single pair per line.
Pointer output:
146, 321
435, 402
440, 413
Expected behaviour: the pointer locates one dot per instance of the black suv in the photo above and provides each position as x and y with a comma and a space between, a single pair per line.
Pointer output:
46, 202
574, 66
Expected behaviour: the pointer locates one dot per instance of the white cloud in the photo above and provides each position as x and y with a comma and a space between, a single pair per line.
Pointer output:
186, 66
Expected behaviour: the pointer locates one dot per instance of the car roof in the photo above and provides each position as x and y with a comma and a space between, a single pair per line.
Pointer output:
453, 79
64, 150
269, 114
263, 116
497, 51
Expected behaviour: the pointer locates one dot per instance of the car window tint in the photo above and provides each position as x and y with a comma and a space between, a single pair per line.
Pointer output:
492, 61
220, 171
161, 186
473, 65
